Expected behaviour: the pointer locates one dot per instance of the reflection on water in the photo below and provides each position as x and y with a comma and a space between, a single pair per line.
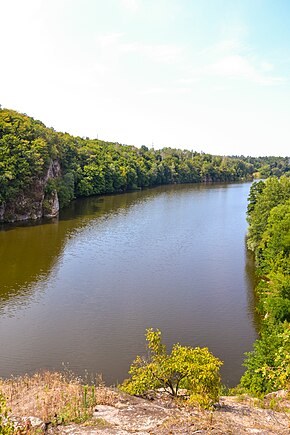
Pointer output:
82, 289
252, 281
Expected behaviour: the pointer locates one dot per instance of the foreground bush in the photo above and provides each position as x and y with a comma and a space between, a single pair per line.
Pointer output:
194, 369
6, 425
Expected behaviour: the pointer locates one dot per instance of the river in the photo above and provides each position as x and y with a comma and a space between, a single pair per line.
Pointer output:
81, 290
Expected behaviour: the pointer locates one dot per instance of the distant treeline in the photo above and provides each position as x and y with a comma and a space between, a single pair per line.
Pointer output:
268, 366
93, 167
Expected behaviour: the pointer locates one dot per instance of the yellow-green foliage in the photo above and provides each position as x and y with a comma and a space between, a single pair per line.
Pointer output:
194, 369
6, 425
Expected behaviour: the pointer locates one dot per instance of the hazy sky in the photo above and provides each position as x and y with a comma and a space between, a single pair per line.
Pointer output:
211, 75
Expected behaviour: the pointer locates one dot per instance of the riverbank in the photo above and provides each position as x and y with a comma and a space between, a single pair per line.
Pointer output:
56, 403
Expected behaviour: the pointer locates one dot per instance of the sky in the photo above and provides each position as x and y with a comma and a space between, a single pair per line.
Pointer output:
204, 75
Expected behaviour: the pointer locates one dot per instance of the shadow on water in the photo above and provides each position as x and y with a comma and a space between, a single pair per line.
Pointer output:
26, 253
29, 250
252, 281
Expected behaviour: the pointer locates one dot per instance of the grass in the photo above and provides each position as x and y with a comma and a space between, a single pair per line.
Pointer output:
62, 398
56, 398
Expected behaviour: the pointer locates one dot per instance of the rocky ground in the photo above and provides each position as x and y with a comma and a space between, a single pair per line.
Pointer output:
47, 403
132, 415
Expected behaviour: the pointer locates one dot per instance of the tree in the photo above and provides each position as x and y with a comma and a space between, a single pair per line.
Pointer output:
268, 365
27, 148
262, 200
256, 189
194, 369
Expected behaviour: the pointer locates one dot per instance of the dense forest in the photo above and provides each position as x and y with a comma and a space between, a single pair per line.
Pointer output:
268, 366
92, 167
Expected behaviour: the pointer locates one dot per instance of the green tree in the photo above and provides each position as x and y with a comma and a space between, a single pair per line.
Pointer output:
256, 189
274, 193
268, 365
28, 147
275, 242
194, 369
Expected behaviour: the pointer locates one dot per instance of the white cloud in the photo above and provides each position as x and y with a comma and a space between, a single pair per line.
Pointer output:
224, 47
107, 40
233, 66
165, 90
266, 66
114, 43
240, 67
231, 60
175, 90
168, 53
131, 5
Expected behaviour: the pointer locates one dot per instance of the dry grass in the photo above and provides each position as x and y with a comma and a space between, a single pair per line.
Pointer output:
55, 397
61, 398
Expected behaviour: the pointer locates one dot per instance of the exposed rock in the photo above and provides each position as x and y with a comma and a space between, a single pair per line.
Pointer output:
122, 414
50, 205
146, 415
27, 424
131, 415
277, 394
2, 210
34, 203
53, 170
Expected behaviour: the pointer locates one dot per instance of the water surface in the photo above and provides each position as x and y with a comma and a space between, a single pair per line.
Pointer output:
83, 288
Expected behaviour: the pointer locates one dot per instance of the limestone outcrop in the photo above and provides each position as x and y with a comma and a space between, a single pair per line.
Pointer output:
36, 202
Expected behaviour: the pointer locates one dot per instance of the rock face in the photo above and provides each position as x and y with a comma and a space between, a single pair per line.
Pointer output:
131, 415
2, 211
35, 202
51, 205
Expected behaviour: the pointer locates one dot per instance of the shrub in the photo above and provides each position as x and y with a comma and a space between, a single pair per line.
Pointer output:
6, 425
268, 366
194, 369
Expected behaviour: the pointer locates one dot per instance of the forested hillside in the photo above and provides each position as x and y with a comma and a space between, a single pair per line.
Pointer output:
41, 169
268, 366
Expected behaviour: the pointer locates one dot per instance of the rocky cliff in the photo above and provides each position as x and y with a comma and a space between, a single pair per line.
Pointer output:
35, 202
